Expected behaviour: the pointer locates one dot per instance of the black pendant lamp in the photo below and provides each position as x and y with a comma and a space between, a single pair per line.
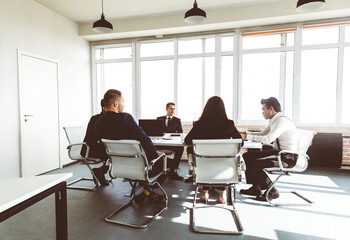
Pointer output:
195, 15
102, 25
310, 5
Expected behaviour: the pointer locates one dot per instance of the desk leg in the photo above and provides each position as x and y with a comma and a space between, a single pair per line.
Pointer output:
61, 212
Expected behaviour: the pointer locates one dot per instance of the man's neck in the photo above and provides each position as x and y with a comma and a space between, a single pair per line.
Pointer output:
112, 109
169, 116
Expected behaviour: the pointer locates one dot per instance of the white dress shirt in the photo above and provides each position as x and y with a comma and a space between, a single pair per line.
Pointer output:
279, 127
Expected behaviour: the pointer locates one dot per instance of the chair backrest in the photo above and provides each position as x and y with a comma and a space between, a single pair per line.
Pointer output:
304, 142
128, 159
75, 134
217, 160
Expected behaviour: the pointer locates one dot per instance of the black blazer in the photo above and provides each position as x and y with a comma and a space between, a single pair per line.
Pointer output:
118, 126
97, 150
207, 130
174, 125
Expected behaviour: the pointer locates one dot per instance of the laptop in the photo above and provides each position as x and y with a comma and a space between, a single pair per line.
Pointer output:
152, 127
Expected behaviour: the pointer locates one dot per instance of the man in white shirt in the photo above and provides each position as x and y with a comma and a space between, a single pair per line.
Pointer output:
283, 135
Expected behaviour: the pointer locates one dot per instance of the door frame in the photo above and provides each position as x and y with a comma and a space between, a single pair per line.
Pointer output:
21, 53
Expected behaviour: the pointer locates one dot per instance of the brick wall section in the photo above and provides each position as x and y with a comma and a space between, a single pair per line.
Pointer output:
344, 130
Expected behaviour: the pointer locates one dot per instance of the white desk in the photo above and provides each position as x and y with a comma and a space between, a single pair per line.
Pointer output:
19, 193
169, 140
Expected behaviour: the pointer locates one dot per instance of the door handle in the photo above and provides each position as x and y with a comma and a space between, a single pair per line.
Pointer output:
25, 115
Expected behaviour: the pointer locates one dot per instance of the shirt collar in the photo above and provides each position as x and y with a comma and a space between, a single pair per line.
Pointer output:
279, 114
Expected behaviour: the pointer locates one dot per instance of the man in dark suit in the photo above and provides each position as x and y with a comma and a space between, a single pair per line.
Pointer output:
173, 125
96, 149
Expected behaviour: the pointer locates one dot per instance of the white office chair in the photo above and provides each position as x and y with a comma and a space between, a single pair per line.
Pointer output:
217, 164
305, 141
129, 161
75, 136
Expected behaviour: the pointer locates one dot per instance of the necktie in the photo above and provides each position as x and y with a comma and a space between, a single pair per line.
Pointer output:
168, 121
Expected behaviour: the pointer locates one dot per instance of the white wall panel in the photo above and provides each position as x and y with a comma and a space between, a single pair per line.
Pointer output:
30, 27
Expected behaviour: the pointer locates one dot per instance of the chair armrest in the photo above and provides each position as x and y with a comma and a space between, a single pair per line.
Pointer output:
280, 153
69, 147
162, 156
76, 144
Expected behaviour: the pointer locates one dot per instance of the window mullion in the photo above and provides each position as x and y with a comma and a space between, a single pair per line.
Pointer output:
102, 86
239, 50
340, 70
297, 75
94, 81
176, 66
217, 65
283, 64
137, 80
236, 74
203, 73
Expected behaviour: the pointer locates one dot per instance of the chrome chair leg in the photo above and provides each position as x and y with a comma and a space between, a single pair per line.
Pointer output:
94, 179
233, 212
307, 202
108, 218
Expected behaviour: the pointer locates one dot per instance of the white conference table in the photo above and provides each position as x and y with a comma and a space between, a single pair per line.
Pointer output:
19, 193
168, 139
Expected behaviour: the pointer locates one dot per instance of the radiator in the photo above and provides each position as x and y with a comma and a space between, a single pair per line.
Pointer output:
326, 150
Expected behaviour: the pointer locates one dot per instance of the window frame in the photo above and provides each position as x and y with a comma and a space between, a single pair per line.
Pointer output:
237, 54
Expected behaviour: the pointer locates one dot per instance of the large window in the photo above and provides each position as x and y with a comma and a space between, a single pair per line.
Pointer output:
157, 84
114, 69
320, 35
260, 79
346, 87
190, 89
226, 86
318, 86
319, 75
267, 70
304, 67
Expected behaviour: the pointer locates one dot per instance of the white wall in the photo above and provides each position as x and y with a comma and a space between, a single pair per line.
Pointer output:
30, 27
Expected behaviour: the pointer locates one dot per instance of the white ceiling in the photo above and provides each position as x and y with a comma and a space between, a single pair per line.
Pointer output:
141, 18
89, 10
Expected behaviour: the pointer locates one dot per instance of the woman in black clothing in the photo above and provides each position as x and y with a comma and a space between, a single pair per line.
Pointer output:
213, 124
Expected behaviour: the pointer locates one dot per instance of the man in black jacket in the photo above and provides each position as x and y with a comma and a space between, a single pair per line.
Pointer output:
117, 125
173, 125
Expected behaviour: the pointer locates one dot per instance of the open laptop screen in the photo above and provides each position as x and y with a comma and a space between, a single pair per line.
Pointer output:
152, 127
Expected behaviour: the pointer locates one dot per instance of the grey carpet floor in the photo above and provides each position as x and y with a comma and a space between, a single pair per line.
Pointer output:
328, 218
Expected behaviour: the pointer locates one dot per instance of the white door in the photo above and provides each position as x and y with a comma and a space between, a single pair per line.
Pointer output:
39, 114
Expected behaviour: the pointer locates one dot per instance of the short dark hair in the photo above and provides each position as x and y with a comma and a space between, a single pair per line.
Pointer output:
170, 103
111, 96
272, 102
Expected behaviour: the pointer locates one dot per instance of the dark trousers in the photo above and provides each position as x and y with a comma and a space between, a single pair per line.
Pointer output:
173, 163
254, 167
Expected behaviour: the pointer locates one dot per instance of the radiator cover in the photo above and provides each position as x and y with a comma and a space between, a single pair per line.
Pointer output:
326, 150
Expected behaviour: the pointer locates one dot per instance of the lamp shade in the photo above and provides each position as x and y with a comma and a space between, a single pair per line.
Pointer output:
310, 5
102, 25
195, 15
